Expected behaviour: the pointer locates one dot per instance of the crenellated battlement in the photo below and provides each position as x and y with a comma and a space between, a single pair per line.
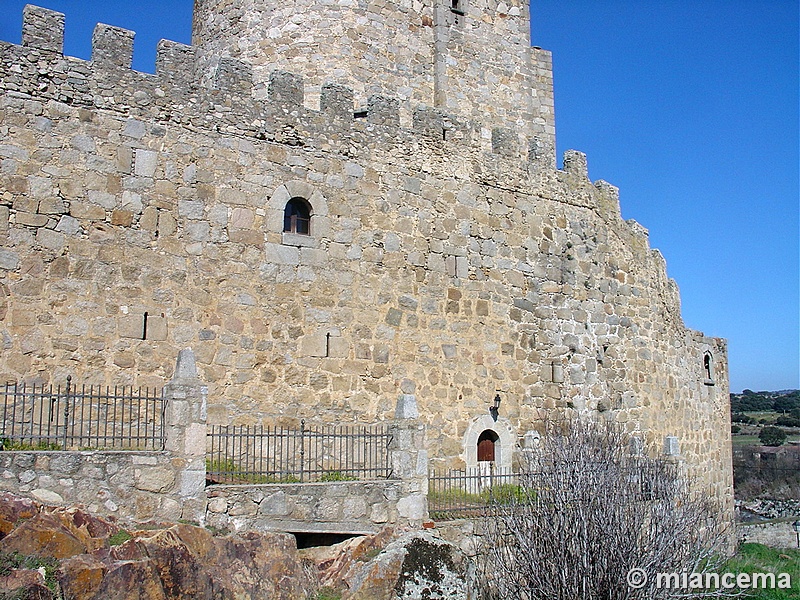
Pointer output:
216, 95
217, 92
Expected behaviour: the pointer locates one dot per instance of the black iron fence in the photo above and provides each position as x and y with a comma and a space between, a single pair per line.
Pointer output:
255, 454
44, 417
457, 494
463, 493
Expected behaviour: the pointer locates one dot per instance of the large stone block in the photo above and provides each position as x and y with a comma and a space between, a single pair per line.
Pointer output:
154, 479
145, 163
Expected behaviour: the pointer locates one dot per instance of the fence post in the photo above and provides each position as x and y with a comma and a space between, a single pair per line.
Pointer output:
409, 457
66, 412
302, 448
185, 397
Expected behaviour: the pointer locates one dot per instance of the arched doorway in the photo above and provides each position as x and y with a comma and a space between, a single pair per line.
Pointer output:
489, 443
486, 445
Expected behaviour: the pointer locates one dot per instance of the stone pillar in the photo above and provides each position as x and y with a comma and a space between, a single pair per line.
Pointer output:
186, 413
410, 458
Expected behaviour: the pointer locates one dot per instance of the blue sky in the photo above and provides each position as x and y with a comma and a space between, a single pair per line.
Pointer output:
690, 107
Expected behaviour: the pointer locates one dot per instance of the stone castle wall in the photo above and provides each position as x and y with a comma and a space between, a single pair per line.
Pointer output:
470, 57
447, 259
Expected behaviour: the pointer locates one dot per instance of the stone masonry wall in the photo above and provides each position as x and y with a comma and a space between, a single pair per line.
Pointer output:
336, 507
131, 486
171, 484
444, 257
774, 535
343, 507
474, 60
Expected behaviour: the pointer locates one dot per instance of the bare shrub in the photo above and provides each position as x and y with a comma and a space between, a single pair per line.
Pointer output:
588, 510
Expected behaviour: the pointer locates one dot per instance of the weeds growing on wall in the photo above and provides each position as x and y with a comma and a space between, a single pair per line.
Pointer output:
20, 446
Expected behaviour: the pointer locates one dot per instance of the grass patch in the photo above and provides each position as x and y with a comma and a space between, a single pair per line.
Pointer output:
505, 493
227, 471
328, 593
744, 440
218, 531
337, 476
508, 493
455, 496
120, 537
22, 446
189, 522
757, 558
457, 503
10, 561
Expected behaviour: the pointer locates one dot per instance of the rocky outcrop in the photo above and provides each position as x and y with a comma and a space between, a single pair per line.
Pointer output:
763, 508
411, 565
97, 560
417, 565
94, 559
187, 562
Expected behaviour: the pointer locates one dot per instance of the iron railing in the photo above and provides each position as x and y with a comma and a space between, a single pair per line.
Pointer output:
255, 454
463, 493
44, 417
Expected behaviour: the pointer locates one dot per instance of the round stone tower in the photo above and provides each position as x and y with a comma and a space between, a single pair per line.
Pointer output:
471, 58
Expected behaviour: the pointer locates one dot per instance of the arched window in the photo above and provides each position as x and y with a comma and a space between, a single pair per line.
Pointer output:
708, 368
486, 443
297, 217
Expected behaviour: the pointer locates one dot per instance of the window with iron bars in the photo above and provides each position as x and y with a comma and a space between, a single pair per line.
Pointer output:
297, 217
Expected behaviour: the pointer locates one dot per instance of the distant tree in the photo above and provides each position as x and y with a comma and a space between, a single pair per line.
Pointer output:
735, 429
785, 404
751, 402
772, 436
589, 514
784, 421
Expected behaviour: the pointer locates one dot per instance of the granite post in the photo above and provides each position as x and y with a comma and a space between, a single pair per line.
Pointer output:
409, 457
185, 399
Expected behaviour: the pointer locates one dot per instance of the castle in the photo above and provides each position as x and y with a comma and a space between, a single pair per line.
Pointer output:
336, 205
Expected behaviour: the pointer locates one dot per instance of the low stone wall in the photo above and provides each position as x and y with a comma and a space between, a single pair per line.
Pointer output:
131, 485
138, 486
332, 507
170, 485
774, 535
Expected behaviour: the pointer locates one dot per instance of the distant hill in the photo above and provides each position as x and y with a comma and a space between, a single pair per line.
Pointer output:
784, 401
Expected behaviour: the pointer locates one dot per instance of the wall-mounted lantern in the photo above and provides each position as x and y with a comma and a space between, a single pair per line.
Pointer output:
494, 408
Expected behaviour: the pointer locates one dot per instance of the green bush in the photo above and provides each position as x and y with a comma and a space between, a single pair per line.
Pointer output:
772, 436
785, 421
